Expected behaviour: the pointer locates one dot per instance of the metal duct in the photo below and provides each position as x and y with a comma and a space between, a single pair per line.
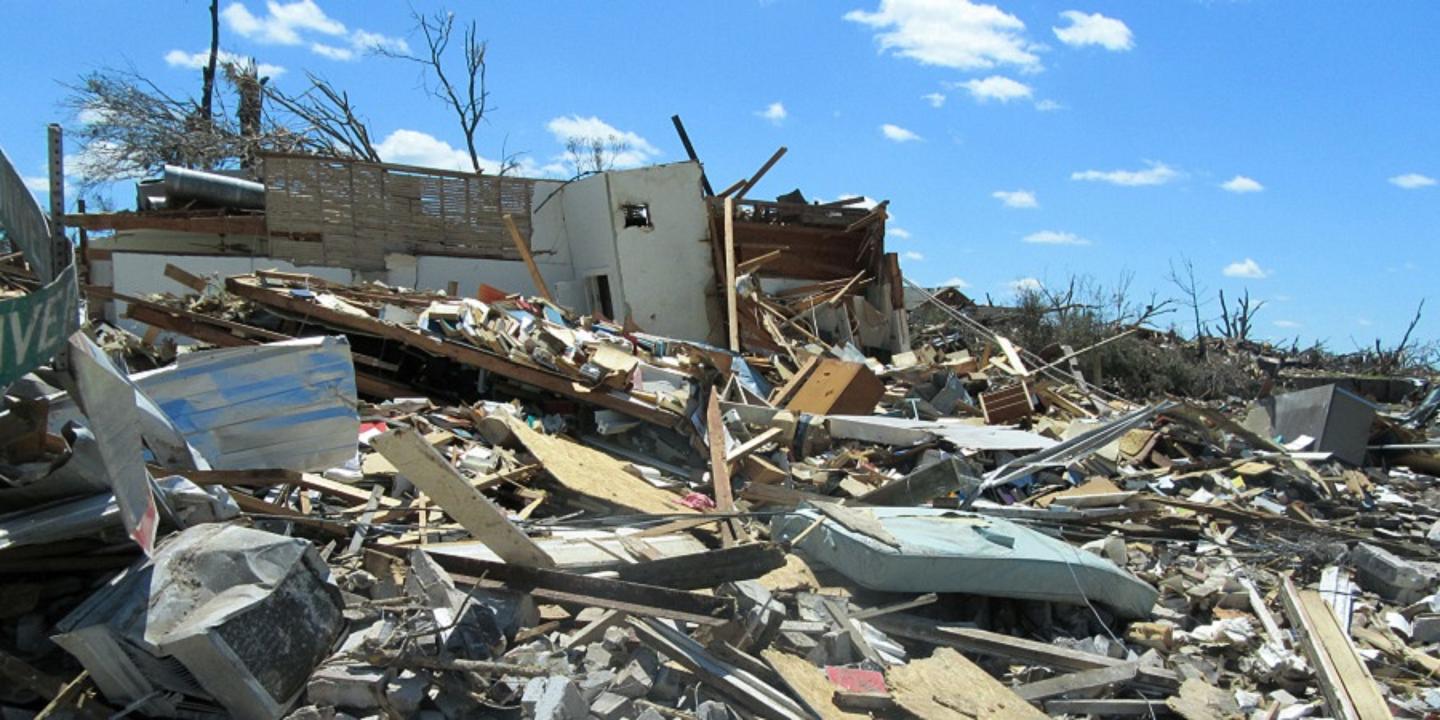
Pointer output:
183, 184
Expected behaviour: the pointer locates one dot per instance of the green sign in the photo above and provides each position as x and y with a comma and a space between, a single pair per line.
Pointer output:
33, 327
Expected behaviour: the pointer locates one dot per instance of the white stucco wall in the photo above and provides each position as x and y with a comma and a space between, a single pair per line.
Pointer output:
665, 269
591, 239
435, 273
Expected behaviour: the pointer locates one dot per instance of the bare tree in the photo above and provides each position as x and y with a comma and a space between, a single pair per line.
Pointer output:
132, 127
589, 155
326, 118
1184, 279
467, 96
1238, 323
1395, 359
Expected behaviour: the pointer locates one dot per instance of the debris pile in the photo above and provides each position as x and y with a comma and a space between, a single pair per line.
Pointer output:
372, 501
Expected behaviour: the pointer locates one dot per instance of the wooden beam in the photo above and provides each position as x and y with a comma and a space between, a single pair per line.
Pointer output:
732, 313
923, 600
732, 188
430, 472
586, 590
180, 275
756, 262
523, 248
708, 569
1108, 707
879, 213
749, 446
719, 470
1078, 681
255, 506
842, 202
1029, 652
1349, 690
690, 153
463, 354
750, 184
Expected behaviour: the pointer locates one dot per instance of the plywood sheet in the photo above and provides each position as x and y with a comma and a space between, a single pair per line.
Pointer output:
811, 684
595, 474
947, 685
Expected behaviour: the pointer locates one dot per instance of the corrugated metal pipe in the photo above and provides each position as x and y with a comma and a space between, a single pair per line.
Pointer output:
183, 184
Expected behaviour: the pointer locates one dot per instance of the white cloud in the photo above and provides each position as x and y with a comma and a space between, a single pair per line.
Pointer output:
288, 23
1246, 268
332, 52
1094, 29
1054, 237
956, 282
1157, 174
996, 87
366, 41
956, 34
1242, 184
1048, 106
897, 133
898, 232
638, 152
412, 147
99, 154
1016, 198
197, 60
37, 183
90, 114
1024, 284
912, 255
1412, 181
935, 99
1287, 324
1364, 322
774, 112
283, 22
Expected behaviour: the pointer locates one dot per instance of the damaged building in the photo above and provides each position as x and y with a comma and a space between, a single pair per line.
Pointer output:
348, 439
644, 247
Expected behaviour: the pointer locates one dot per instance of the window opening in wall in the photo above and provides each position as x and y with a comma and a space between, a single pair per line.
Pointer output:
636, 214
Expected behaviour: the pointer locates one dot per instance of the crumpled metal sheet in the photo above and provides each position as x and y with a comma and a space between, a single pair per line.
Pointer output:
288, 405
222, 613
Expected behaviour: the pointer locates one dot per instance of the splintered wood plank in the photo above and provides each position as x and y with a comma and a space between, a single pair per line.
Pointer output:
744, 449
1349, 689
1077, 681
430, 472
192, 281
948, 685
1012, 357
592, 473
732, 313
720, 470
524, 249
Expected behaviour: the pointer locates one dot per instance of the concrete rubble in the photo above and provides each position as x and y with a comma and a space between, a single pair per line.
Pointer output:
377, 501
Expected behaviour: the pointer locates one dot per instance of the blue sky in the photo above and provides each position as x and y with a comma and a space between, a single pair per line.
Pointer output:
1289, 148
